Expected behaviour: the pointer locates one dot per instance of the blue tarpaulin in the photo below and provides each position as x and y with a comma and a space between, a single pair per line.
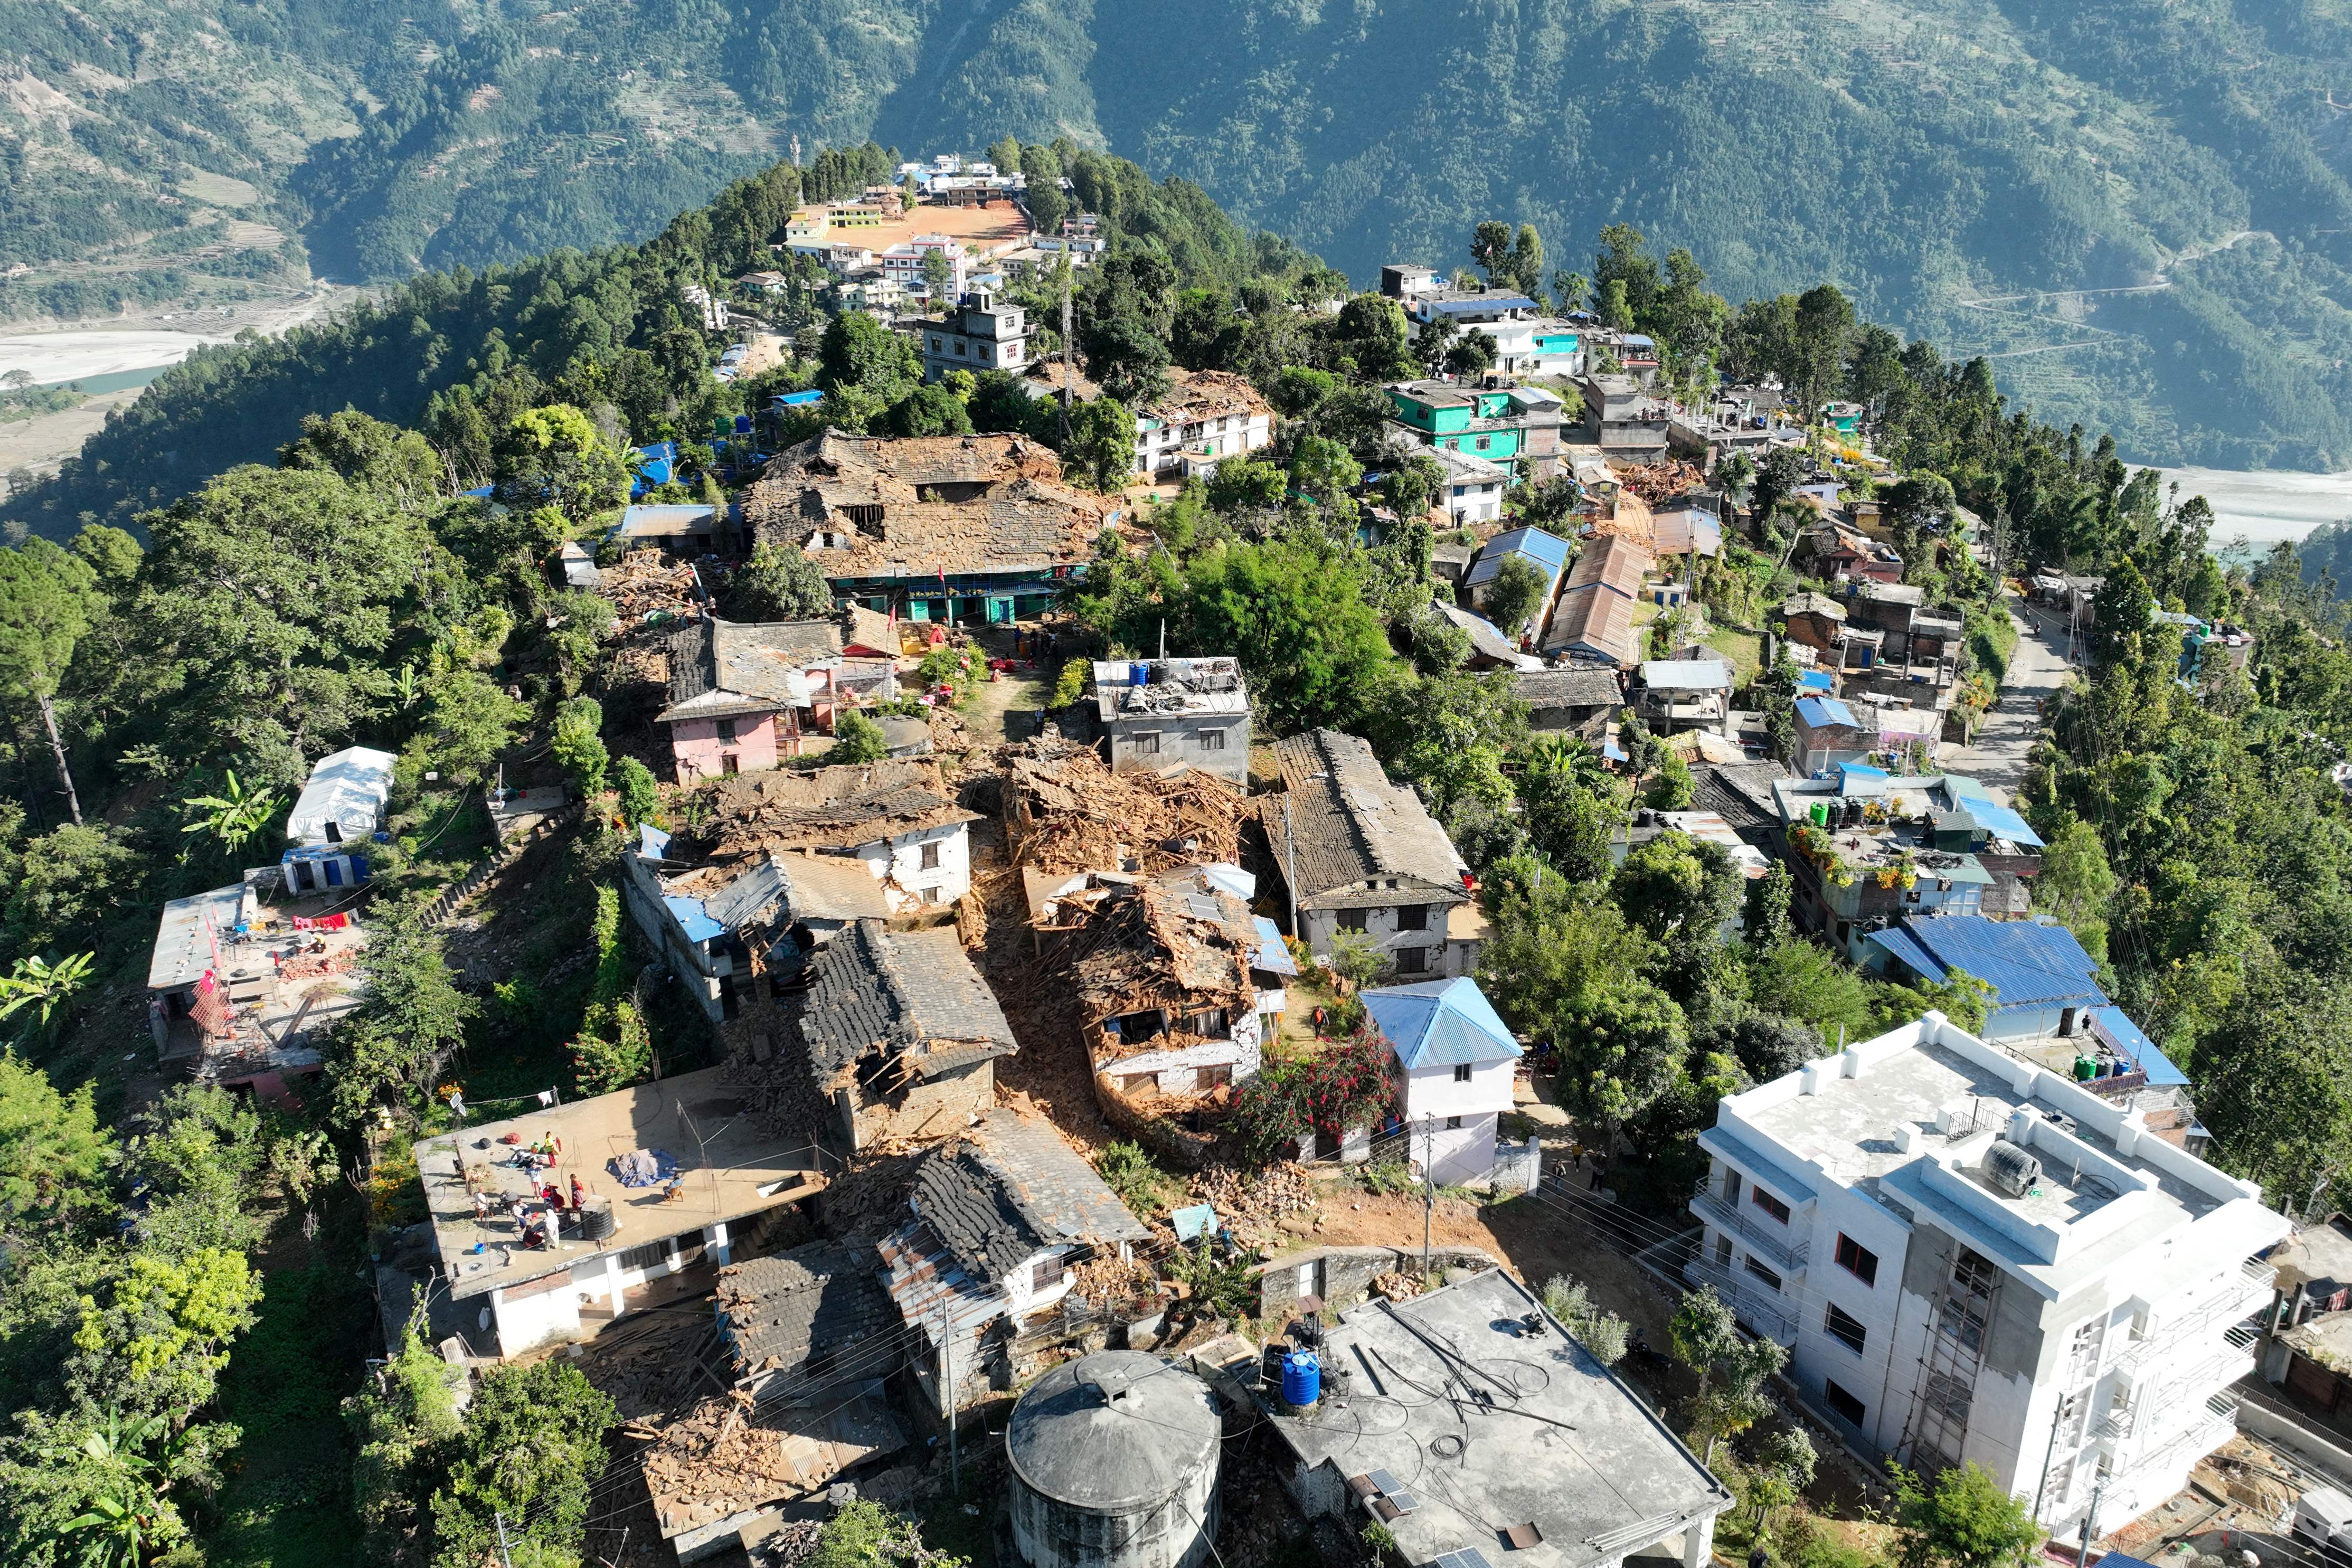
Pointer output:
693, 918
1814, 680
1193, 1224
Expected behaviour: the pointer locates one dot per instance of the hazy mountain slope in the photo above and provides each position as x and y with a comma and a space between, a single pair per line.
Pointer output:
1970, 168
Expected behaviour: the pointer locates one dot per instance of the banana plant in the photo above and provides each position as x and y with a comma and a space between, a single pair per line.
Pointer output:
233, 818
35, 983
126, 1518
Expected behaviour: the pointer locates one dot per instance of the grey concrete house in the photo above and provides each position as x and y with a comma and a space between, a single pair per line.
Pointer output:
1190, 712
1359, 854
894, 1034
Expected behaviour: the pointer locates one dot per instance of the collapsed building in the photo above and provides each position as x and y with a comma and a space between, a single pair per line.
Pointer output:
896, 816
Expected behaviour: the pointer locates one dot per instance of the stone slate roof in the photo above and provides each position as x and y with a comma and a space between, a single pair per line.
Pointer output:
779, 1312
1568, 689
1348, 837
909, 993
1010, 1189
718, 667
1740, 794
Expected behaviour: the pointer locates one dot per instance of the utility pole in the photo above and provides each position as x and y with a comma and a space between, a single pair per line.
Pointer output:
1428, 1185
2090, 1524
947, 1388
1065, 346
505, 1555
2048, 1454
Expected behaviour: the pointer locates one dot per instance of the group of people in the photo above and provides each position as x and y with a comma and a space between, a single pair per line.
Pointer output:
540, 1226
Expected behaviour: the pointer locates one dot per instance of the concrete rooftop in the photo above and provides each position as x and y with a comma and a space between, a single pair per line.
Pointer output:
1489, 1429
727, 1168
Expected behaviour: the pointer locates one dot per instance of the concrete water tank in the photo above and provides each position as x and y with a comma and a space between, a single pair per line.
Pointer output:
1115, 1464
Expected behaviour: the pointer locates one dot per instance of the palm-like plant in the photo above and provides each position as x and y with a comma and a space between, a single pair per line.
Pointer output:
35, 983
1570, 761
125, 1515
233, 817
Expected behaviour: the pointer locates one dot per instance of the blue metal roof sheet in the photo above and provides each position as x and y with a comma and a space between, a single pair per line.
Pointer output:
1273, 957
652, 842
2025, 961
2000, 821
2133, 1044
1545, 550
692, 918
1440, 1023
1814, 680
1820, 712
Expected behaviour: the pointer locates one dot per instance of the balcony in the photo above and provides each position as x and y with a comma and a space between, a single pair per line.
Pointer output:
2245, 1290
1777, 1244
1755, 1303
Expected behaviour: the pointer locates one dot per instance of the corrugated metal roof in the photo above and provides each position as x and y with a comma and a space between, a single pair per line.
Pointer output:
2133, 1044
1440, 1023
2026, 963
1547, 551
1686, 674
1820, 712
692, 918
1274, 957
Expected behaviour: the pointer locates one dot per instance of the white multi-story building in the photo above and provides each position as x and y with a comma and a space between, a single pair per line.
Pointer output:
1973, 1258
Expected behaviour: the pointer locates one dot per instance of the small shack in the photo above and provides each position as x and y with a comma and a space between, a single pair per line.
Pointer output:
344, 801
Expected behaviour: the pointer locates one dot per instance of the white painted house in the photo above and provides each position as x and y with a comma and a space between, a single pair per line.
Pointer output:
1976, 1259
1455, 1060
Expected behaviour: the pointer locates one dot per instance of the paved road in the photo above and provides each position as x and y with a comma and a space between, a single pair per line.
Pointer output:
2036, 670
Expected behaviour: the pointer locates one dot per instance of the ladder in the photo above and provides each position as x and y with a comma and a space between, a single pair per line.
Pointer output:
1937, 1428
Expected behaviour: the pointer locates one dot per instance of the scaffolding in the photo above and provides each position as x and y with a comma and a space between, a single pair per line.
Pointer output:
1938, 1425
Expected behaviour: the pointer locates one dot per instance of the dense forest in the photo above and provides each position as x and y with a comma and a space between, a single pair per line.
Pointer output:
183, 1322
2139, 210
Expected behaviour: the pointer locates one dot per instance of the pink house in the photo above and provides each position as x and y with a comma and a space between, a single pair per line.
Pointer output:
742, 698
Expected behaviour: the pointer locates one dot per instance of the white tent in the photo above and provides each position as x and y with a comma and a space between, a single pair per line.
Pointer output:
347, 788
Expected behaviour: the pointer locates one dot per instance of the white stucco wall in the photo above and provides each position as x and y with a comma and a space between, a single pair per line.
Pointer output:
1445, 958
898, 864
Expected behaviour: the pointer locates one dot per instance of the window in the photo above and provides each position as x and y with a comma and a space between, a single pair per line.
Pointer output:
1731, 1186
1453, 1124
1844, 1404
1413, 961
726, 733
1769, 1204
1846, 1328
652, 1255
1045, 1274
935, 345
1351, 920
1485, 443
1762, 1273
1146, 744
1723, 1251
930, 856
930, 895
1412, 917
1213, 740
1462, 1072
1857, 1260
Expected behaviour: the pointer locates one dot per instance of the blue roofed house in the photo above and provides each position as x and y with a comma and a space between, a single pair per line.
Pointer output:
2047, 1007
1828, 733
1548, 553
1455, 1060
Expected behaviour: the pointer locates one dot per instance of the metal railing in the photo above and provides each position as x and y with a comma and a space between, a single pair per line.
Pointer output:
1748, 1296
1775, 1242
2241, 1293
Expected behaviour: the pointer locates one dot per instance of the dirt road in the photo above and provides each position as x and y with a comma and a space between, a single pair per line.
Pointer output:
2036, 671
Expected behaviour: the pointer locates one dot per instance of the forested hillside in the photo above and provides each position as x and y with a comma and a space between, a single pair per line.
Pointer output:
1949, 166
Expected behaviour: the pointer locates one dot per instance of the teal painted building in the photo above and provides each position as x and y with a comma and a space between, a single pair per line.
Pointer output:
1484, 423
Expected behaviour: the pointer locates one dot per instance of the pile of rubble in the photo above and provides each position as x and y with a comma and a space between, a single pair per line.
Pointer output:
646, 587
1064, 810
733, 1455
1657, 483
1246, 1199
1394, 1286
1111, 1283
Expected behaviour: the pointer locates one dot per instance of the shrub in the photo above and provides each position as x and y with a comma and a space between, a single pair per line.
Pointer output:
1333, 1091
1128, 1170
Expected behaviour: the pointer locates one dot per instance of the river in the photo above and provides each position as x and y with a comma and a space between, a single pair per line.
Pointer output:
2265, 506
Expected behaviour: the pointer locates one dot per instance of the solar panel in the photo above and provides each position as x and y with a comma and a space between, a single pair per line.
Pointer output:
1403, 1503
1382, 1481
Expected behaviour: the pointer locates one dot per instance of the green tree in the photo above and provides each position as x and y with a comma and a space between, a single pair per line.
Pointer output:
856, 739
532, 1443
233, 818
1801, 980
1732, 1369
156, 1343
931, 409
558, 455
640, 796
579, 744
1356, 958
369, 455
1296, 617
468, 722
1826, 326
393, 1046
1101, 451
1515, 595
37, 991
1764, 912
401, 1421
1470, 355
779, 582
47, 597
1375, 333
53, 1154
863, 368
939, 276
1964, 1520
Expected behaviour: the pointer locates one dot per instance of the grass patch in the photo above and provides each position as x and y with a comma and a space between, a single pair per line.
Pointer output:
1744, 649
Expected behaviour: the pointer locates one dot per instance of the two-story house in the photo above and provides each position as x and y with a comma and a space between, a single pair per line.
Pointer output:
1624, 420
745, 697
1358, 853
1204, 417
1456, 1061
1547, 553
1974, 1259
1858, 859
1515, 427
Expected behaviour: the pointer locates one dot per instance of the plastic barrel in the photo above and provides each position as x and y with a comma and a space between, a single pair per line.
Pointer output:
596, 1220
1302, 1379
1138, 673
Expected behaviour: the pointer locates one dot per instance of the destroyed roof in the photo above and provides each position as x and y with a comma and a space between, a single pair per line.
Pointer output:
1810, 604
1739, 792
926, 506
837, 808
1586, 687
743, 895
721, 667
1181, 939
1011, 1188
908, 994
1065, 811
1347, 837
1486, 639
775, 1313
1201, 394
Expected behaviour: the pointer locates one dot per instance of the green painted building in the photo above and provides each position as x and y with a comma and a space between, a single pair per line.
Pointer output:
1484, 423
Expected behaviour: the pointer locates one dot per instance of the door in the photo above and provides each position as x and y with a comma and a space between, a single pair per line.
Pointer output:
1000, 611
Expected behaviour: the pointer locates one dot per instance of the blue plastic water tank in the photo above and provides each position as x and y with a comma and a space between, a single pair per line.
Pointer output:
1302, 1378
1138, 673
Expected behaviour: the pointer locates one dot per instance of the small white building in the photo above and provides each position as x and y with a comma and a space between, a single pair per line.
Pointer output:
1974, 1259
344, 801
894, 817
1473, 491
1456, 1061
1205, 416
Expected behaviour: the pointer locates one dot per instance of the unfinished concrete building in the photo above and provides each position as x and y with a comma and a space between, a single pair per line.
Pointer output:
1173, 712
1974, 1259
